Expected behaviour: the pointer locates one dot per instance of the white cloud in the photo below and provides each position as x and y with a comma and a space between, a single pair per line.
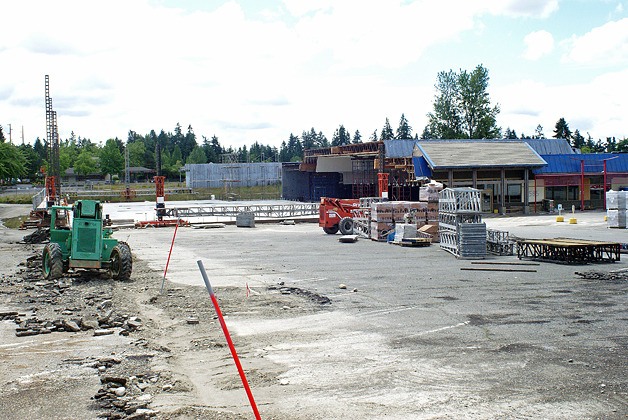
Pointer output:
525, 8
137, 66
595, 107
604, 45
538, 44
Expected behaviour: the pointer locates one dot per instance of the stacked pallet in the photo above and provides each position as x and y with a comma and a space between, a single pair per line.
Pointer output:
461, 229
386, 215
616, 209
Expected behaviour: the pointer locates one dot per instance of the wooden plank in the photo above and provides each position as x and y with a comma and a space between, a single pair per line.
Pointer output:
503, 263
509, 270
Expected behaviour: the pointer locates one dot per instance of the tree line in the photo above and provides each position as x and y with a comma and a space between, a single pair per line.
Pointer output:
462, 109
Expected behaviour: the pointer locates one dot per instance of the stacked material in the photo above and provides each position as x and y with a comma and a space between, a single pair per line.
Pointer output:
386, 215
499, 243
460, 222
616, 209
472, 240
245, 219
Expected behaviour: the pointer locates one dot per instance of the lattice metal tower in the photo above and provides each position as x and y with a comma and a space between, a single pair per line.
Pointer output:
230, 177
52, 137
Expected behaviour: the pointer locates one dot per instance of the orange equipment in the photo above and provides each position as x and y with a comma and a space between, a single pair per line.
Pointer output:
336, 214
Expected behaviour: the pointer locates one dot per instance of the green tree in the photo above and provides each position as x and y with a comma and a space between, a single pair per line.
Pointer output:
357, 137
111, 159
137, 153
33, 161
561, 130
445, 122
577, 140
462, 106
538, 132
86, 163
12, 162
387, 131
622, 145
67, 155
2, 139
341, 137
373, 136
404, 131
197, 156
510, 134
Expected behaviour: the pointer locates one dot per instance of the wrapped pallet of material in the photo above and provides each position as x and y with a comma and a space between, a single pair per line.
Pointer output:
616, 218
405, 231
427, 194
245, 219
611, 200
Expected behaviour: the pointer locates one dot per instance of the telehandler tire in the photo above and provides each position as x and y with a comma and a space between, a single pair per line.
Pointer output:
346, 226
332, 230
52, 261
121, 263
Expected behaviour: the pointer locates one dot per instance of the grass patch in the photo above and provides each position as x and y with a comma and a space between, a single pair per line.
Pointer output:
16, 199
14, 222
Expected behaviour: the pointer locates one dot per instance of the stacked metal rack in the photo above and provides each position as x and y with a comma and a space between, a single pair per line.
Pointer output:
461, 229
362, 216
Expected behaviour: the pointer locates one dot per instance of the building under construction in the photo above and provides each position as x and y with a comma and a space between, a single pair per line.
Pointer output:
512, 175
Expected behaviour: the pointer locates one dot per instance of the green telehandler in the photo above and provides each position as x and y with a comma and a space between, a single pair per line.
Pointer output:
86, 244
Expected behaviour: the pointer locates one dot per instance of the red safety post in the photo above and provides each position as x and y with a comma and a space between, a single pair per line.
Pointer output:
169, 253
228, 337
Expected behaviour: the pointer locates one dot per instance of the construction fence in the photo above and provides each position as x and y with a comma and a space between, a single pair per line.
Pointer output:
232, 175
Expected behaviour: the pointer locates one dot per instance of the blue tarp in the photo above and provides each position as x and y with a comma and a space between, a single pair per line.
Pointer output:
421, 168
593, 163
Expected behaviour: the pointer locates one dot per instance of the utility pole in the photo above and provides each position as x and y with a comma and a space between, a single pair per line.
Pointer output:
10, 141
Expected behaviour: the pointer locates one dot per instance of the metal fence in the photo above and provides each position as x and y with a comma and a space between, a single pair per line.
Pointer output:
219, 175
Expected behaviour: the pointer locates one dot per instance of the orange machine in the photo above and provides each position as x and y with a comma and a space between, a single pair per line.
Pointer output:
336, 214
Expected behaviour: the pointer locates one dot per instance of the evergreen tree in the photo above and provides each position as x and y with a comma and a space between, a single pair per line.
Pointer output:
538, 132
577, 140
341, 137
561, 131
404, 131
387, 132
188, 143
357, 137
510, 134
2, 138
373, 136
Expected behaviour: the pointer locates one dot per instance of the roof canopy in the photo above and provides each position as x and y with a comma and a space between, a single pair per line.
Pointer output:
593, 163
463, 154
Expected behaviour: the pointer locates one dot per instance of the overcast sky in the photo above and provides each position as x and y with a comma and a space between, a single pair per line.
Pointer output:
255, 70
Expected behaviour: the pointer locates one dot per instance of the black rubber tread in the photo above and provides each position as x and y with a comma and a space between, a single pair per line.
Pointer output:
346, 226
121, 264
331, 230
52, 261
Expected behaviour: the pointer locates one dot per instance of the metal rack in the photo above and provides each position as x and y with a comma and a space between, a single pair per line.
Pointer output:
461, 229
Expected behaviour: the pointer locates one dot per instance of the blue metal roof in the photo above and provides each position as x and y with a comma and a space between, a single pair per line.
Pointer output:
399, 148
421, 168
593, 163
550, 146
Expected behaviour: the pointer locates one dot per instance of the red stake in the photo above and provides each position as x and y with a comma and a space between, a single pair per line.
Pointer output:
169, 253
228, 337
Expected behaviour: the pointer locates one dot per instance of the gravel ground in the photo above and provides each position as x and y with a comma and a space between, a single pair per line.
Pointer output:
324, 330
